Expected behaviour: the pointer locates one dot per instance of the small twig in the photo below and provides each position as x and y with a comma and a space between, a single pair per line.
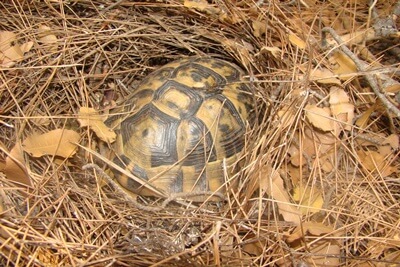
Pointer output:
361, 66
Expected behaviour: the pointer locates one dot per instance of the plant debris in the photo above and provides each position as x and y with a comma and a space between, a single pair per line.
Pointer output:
319, 181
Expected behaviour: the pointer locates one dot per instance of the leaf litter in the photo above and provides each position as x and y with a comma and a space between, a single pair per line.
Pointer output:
320, 179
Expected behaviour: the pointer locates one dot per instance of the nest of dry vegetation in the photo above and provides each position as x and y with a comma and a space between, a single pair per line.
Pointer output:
320, 186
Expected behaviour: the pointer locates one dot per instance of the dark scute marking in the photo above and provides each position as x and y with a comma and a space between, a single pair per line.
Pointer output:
200, 147
122, 161
177, 185
160, 74
139, 172
232, 141
244, 88
165, 153
202, 181
236, 71
196, 98
172, 105
224, 128
231, 109
198, 72
143, 93
145, 132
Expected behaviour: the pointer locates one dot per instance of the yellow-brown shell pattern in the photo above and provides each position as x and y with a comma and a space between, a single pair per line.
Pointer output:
188, 117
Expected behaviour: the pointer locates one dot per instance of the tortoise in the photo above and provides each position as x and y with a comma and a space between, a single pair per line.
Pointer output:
181, 125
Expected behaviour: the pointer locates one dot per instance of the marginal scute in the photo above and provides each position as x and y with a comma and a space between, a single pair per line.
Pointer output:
188, 119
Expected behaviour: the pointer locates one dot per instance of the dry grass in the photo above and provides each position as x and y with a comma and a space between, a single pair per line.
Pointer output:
71, 218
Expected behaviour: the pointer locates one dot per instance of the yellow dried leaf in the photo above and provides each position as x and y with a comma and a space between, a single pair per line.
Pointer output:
393, 141
47, 37
286, 116
294, 40
273, 185
324, 76
362, 121
26, 47
309, 228
90, 117
58, 142
204, 6
258, 28
197, 4
323, 253
319, 117
374, 161
295, 156
15, 169
343, 66
309, 197
10, 52
338, 96
394, 88
390, 256
276, 52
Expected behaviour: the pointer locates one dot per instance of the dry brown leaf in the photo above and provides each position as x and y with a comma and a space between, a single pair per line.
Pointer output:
319, 117
393, 88
324, 253
15, 169
276, 52
393, 141
26, 47
309, 197
362, 121
341, 108
197, 4
89, 117
374, 161
391, 259
296, 41
273, 185
47, 37
59, 142
306, 228
286, 116
10, 51
259, 28
324, 76
204, 6
343, 66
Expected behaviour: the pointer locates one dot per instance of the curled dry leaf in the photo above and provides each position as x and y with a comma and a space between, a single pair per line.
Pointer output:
90, 117
319, 117
60, 142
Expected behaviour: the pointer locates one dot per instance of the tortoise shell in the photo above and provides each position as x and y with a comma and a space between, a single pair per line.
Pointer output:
184, 121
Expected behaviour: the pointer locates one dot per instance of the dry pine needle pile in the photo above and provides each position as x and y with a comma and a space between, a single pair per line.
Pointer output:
320, 181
